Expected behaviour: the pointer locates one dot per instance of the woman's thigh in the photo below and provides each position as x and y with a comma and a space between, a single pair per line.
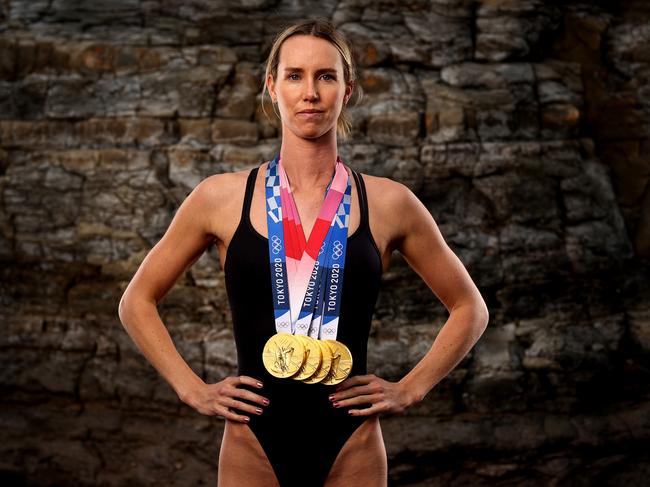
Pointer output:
242, 461
362, 460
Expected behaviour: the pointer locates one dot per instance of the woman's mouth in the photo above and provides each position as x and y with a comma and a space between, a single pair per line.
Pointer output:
310, 113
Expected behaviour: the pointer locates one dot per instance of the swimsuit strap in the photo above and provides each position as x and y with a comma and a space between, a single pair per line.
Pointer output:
248, 195
363, 200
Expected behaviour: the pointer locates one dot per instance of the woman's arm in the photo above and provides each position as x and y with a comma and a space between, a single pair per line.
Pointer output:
423, 247
416, 235
187, 237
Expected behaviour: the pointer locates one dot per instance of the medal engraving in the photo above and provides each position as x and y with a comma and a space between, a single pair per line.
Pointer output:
283, 355
326, 363
313, 358
341, 363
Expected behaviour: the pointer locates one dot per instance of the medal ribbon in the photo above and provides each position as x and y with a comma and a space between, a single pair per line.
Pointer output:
296, 267
331, 285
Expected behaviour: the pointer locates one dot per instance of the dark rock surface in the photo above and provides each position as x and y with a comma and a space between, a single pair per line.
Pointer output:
523, 125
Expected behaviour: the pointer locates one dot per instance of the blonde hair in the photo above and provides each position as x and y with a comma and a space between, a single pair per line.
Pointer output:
324, 29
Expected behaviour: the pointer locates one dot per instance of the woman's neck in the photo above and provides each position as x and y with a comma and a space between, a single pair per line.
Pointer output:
309, 164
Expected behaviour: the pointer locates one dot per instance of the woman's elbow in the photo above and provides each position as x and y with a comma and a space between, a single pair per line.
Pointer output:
122, 307
125, 307
483, 314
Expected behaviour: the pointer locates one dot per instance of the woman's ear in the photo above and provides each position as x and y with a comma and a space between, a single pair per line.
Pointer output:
348, 93
271, 87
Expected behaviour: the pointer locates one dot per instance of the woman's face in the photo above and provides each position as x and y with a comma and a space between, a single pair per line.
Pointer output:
310, 77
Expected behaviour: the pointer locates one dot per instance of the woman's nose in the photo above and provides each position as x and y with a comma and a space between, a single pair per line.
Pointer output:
310, 91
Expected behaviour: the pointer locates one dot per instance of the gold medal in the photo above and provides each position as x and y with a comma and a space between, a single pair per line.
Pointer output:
324, 368
283, 355
313, 358
341, 363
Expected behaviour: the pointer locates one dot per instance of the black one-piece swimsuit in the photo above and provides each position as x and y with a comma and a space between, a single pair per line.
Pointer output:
300, 431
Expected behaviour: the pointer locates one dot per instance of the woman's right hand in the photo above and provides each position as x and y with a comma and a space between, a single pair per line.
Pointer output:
220, 397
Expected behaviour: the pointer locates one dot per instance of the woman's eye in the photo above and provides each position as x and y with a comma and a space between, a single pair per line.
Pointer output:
291, 76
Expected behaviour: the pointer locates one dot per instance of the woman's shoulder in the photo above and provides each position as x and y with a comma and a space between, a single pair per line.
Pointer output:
223, 186
387, 198
228, 178
218, 198
385, 192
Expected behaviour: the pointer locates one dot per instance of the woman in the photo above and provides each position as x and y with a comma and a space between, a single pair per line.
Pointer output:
282, 431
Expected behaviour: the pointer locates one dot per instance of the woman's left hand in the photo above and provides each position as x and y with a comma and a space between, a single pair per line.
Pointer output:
382, 395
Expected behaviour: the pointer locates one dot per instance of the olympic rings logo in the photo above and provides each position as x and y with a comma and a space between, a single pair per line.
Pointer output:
322, 249
276, 244
338, 250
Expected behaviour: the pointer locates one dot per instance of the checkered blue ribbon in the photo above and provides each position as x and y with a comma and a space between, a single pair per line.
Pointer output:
321, 304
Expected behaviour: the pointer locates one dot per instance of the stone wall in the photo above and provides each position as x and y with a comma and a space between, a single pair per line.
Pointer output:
524, 126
